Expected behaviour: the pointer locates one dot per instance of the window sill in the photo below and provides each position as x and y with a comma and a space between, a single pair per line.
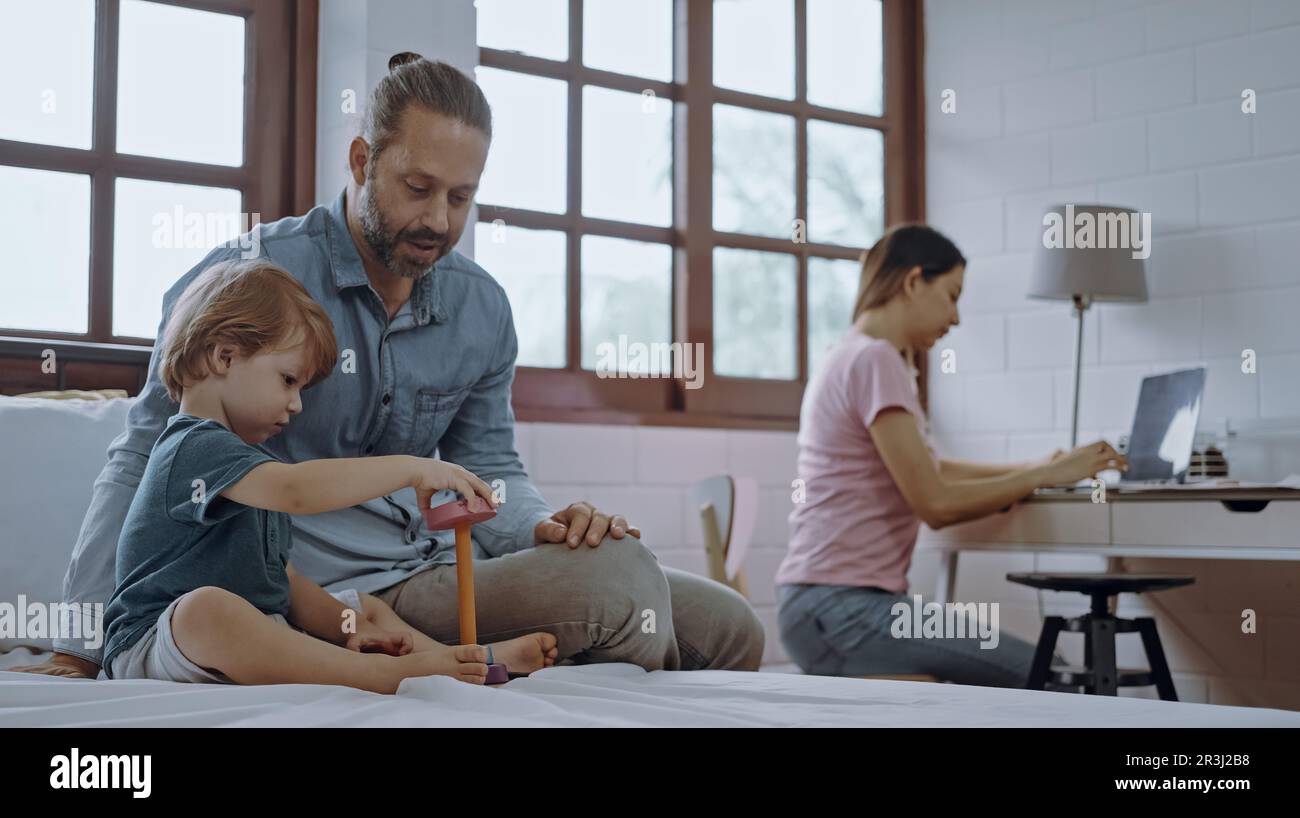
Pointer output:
34, 346
549, 409
615, 417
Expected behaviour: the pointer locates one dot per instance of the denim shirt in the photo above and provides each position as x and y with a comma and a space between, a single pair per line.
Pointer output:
434, 379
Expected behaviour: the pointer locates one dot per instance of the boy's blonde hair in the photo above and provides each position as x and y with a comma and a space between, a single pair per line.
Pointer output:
252, 304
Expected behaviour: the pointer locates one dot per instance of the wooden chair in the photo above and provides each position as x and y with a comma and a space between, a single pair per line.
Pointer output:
728, 509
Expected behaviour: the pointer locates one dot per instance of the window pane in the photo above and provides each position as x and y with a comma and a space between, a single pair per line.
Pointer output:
536, 27
45, 232
160, 231
627, 157
753, 171
629, 36
48, 72
626, 291
846, 184
844, 55
526, 166
530, 265
754, 314
832, 287
180, 84
753, 46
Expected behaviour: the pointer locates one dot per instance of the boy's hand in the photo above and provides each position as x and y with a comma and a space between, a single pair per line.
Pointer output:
370, 638
432, 476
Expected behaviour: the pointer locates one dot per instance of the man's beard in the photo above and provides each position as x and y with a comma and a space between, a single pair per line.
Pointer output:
384, 242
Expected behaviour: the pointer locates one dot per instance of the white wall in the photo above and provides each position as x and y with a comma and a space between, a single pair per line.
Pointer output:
1133, 103
645, 473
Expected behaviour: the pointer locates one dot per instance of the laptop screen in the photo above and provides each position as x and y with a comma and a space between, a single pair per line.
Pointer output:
1164, 427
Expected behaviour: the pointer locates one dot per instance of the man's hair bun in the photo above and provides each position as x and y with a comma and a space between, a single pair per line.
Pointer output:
402, 59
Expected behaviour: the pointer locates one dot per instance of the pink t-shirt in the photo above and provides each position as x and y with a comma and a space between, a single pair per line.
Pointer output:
855, 527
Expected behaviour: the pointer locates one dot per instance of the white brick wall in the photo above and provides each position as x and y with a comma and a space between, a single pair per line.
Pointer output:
646, 474
1136, 102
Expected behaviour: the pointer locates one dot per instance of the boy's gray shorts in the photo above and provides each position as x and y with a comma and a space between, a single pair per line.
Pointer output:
155, 655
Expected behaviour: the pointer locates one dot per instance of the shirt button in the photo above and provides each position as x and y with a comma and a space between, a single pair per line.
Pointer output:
387, 398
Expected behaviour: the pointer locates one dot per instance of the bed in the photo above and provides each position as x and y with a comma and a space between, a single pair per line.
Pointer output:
607, 695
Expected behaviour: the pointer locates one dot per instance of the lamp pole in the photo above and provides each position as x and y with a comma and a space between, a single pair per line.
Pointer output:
1081, 303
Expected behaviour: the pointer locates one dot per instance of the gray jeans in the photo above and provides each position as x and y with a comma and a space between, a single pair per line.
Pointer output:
612, 603
841, 630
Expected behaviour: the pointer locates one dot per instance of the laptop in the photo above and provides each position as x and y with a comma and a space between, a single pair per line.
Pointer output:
1164, 428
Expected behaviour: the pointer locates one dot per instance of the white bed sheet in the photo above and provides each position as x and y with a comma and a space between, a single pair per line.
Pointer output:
606, 695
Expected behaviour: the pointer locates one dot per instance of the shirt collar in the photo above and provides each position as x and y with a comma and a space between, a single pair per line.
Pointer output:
345, 263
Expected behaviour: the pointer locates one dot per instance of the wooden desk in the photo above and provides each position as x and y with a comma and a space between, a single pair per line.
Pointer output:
1221, 523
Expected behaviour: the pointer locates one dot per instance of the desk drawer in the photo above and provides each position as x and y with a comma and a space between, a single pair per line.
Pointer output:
1205, 523
1054, 523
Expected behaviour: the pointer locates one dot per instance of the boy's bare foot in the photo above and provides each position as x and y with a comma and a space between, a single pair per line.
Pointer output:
526, 653
467, 663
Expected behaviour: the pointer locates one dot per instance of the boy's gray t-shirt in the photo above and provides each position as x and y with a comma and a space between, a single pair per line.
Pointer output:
180, 535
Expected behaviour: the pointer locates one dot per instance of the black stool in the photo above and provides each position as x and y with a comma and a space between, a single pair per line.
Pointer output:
1099, 675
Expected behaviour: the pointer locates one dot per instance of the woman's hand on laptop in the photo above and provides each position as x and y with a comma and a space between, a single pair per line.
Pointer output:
1054, 456
1084, 462
432, 476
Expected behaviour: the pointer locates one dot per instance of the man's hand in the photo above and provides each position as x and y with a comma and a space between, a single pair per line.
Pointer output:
370, 638
63, 664
581, 520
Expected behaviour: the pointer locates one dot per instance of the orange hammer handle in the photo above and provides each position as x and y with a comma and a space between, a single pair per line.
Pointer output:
465, 585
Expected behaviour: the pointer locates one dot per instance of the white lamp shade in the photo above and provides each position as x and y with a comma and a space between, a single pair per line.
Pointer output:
1104, 271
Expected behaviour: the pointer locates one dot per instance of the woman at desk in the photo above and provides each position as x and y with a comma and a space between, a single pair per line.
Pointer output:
871, 478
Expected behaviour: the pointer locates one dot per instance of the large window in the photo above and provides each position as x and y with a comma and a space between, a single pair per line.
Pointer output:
137, 135
666, 174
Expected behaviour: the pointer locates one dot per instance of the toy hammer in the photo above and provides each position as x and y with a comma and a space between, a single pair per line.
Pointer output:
458, 515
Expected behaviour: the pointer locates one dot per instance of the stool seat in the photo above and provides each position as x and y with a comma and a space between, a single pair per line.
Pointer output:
1108, 584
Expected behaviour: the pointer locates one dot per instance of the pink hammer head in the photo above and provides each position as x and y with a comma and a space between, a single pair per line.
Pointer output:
450, 515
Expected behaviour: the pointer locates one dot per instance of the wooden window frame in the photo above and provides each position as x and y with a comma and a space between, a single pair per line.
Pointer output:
276, 179
572, 394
